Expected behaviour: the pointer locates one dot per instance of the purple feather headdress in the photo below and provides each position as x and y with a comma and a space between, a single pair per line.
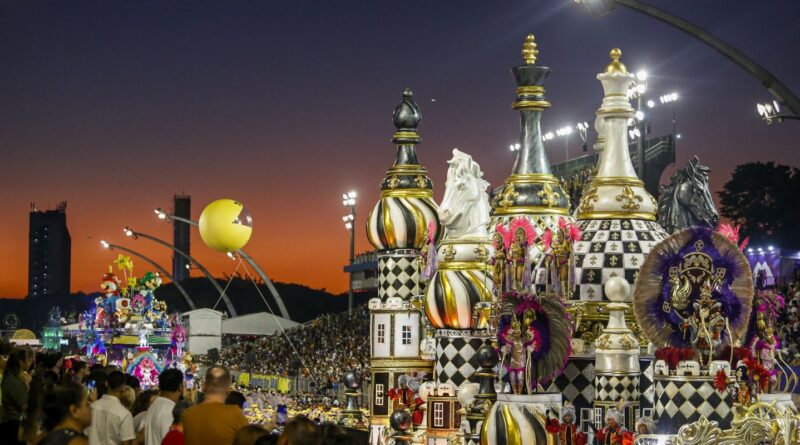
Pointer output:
653, 290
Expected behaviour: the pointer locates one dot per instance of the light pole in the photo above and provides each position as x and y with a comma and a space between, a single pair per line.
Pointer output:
641, 89
163, 215
771, 112
110, 246
583, 130
671, 98
349, 200
565, 131
135, 235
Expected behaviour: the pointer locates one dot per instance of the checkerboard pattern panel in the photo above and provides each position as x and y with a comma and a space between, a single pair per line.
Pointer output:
455, 359
614, 388
647, 391
611, 248
686, 401
576, 383
398, 275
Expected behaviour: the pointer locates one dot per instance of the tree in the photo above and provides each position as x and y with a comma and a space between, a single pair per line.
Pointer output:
765, 199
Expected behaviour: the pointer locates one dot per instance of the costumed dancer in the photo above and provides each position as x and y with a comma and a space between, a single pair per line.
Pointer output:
524, 236
502, 241
559, 245
742, 388
427, 259
764, 345
517, 354
644, 425
567, 432
613, 433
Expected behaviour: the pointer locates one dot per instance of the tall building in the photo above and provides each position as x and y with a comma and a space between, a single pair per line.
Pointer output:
49, 252
180, 239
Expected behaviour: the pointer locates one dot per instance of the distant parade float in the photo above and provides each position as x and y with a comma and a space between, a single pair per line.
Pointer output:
504, 319
127, 326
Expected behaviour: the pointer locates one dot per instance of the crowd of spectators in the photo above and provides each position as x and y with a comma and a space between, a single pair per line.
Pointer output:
49, 400
789, 321
320, 351
573, 185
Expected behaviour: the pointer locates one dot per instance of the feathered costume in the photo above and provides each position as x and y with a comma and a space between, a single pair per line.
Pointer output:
547, 338
681, 269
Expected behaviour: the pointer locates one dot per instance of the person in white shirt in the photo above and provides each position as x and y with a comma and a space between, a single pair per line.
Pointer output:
112, 423
159, 415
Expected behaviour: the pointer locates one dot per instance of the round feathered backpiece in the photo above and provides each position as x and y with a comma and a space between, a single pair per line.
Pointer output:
553, 334
673, 277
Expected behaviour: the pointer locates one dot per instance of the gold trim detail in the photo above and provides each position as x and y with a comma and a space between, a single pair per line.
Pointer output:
604, 111
548, 196
532, 89
405, 135
617, 180
532, 178
629, 200
532, 105
463, 265
616, 66
450, 304
407, 193
512, 427
616, 215
391, 364
506, 199
407, 169
526, 210
529, 50
589, 198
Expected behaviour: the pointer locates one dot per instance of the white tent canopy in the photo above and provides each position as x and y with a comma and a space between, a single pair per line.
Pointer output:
261, 323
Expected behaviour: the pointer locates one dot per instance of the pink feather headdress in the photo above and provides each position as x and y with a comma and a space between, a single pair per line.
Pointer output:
431, 231
507, 235
525, 225
732, 233
547, 239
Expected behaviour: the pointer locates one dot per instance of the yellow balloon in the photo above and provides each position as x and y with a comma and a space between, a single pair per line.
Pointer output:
225, 225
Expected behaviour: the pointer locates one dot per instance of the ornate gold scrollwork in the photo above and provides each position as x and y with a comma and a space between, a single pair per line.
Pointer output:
548, 196
630, 201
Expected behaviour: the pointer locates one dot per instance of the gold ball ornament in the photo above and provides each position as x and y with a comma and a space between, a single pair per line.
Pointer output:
225, 225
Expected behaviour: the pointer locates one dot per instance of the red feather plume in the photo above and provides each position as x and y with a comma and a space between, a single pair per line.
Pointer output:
526, 226
721, 381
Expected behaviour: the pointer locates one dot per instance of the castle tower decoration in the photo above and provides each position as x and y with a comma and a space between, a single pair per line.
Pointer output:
617, 357
460, 283
616, 214
400, 225
694, 298
531, 191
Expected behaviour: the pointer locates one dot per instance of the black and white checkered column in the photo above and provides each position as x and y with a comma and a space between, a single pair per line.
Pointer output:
685, 399
398, 274
455, 355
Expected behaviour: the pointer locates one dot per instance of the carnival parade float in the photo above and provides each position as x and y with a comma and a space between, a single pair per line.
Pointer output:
127, 326
504, 319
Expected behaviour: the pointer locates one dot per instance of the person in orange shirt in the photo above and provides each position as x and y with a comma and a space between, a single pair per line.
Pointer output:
212, 421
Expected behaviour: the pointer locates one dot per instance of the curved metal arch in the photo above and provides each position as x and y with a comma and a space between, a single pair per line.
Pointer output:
160, 269
191, 260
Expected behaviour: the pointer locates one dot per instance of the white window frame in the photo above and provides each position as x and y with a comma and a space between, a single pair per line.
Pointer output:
381, 334
438, 414
598, 418
586, 418
406, 334
379, 394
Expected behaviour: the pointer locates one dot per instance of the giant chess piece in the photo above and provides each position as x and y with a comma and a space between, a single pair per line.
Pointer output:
686, 201
403, 222
616, 215
531, 191
400, 421
487, 393
397, 225
617, 355
351, 414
